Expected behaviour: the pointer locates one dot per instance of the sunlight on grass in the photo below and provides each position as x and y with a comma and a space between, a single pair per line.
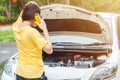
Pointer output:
6, 35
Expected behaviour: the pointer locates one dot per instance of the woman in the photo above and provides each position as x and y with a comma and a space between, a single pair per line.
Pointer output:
30, 44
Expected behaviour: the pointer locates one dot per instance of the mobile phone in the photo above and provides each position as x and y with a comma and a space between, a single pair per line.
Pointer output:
37, 18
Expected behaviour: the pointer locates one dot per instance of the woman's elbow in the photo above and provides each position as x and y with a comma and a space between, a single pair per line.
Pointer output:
48, 50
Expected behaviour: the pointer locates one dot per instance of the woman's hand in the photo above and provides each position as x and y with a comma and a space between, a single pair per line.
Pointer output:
41, 25
31, 2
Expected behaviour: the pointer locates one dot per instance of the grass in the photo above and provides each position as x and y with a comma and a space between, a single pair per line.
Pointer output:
2, 64
6, 36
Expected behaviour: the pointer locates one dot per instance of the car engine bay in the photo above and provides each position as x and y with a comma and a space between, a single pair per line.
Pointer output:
78, 60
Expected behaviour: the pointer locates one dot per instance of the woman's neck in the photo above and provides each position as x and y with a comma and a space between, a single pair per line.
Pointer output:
25, 23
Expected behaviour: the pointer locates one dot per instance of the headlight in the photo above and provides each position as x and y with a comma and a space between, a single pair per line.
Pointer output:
104, 73
8, 67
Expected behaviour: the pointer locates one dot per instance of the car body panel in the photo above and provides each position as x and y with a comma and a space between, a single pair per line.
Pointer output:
60, 11
68, 73
111, 19
5, 77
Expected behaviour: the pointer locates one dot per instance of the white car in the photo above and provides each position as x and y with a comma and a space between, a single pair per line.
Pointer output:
85, 45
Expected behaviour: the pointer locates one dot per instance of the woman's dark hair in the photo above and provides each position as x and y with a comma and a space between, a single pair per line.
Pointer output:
29, 11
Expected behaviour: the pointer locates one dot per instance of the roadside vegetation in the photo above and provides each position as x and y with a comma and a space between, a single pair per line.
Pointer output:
6, 36
9, 9
2, 64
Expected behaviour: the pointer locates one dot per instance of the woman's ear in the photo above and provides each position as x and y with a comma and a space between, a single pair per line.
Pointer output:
33, 24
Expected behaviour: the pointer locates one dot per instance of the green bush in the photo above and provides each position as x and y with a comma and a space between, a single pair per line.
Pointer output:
2, 17
2, 64
2, 8
13, 19
4, 20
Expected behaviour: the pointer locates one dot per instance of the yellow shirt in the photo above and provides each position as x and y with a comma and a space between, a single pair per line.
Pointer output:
30, 44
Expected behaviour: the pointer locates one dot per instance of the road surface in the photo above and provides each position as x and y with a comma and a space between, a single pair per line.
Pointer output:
7, 50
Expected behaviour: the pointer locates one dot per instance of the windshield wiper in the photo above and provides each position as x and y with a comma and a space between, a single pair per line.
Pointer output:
95, 44
76, 44
66, 44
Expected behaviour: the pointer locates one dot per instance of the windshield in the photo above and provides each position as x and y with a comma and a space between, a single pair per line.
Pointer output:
73, 40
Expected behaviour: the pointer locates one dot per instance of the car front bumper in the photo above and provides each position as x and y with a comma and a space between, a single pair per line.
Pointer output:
6, 77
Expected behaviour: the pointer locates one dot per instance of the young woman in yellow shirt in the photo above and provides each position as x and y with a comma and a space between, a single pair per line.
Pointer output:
30, 43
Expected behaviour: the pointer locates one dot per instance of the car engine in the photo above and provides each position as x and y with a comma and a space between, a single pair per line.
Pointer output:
66, 59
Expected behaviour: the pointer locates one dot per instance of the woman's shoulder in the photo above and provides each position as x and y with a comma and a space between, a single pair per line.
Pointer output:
32, 29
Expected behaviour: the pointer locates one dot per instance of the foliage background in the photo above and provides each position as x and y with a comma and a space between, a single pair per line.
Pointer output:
9, 9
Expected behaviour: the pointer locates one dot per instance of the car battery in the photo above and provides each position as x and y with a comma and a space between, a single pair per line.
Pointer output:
83, 64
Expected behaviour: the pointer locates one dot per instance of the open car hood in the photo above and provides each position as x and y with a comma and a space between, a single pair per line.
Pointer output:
68, 18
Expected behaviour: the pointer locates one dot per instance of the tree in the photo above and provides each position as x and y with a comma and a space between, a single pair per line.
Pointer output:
67, 1
8, 7
7, 4
14, 1
21, 3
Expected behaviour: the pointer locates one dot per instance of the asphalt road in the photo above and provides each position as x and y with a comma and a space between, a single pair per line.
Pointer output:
7, 50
